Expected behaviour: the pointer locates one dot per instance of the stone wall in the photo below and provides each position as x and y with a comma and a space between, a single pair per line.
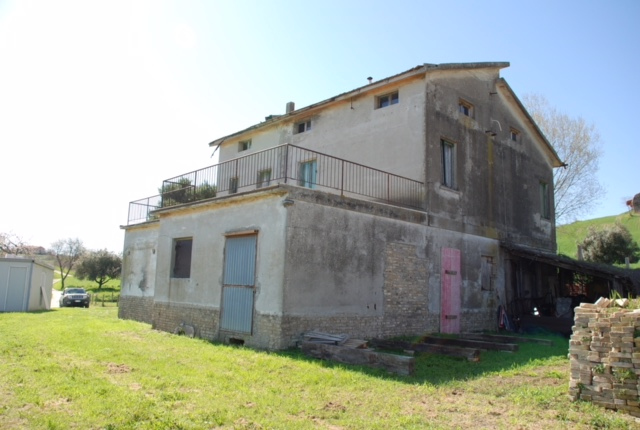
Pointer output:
476, 320
604, 353
406, 301
136, 308
172, 317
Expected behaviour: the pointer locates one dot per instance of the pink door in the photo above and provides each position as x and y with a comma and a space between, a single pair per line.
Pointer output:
450, 294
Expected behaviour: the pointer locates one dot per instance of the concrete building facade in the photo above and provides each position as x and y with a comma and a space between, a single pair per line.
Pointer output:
378, 212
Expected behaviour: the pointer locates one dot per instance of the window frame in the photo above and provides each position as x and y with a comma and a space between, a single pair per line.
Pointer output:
448, 178
244, 145
387, 99
487, 273
514, 135
306, 125
182, 258
466, 108
261, 180
308, 178
545, 201
233, 184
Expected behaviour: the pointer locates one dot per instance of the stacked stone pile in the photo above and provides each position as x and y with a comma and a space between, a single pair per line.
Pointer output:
604, 353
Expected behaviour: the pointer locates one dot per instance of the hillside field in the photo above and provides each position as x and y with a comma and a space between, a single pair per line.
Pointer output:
569, 235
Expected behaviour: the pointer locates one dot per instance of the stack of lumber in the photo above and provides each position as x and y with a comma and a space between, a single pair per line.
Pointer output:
343, 349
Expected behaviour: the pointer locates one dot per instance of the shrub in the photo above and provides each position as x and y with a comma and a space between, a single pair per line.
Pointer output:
610, 245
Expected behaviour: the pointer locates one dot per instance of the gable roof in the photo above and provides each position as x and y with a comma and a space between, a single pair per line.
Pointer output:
415, 71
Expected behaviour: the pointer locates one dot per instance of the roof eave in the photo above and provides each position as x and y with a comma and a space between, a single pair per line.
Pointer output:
557, 162
418, 70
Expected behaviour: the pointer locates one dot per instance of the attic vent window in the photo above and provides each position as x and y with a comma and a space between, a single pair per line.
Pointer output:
515, 135
301, 127
465, 108
244, 145
387, 100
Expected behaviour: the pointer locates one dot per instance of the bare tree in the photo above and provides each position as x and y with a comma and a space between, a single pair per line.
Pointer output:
11, 244
577, 143
67, 253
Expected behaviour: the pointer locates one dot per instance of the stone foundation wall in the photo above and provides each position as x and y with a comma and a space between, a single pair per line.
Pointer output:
171, 317
136, 308
604, 353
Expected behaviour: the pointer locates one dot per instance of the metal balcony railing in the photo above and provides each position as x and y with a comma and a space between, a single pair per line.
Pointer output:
287, 164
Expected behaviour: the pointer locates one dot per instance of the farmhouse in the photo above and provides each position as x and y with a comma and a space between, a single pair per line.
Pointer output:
386, 210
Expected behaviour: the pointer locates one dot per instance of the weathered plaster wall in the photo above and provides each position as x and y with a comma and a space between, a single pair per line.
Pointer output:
378, 276
324, 262
387, 138
139, 271
497, 178
208, 224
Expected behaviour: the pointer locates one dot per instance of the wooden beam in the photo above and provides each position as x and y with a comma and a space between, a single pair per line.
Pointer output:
471, 354
506, 339
479, 344
398, 364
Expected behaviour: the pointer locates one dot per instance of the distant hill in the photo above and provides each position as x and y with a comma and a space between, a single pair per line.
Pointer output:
569, 235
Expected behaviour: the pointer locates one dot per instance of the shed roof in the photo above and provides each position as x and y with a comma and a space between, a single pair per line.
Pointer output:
594, 269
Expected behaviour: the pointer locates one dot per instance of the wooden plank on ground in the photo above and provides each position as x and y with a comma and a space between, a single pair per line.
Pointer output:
397, 364
505, 338
328, 338
479, 344
471, 354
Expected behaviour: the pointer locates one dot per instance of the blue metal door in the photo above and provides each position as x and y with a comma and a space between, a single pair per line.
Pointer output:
238, 283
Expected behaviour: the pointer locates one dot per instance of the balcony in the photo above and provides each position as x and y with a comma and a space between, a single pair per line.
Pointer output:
285, 164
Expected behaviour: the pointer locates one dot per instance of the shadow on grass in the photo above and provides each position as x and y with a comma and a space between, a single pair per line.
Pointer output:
437, 369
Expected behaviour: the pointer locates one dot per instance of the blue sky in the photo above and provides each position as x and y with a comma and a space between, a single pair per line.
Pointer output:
102, 100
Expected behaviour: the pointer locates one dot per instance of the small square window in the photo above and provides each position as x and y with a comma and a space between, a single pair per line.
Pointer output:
244, 145
301, 127
233, 185
182, 258
387, 100
264, 178
465, 108
515, 135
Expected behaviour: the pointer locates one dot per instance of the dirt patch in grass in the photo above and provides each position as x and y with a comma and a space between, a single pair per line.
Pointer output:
118, 368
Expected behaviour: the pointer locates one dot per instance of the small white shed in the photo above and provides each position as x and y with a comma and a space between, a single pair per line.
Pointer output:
25, 285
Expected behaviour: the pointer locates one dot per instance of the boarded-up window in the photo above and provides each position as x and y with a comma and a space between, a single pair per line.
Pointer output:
182, 258
486, 271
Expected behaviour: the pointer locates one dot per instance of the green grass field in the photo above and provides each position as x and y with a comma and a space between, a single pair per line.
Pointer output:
569, 235
85, 368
